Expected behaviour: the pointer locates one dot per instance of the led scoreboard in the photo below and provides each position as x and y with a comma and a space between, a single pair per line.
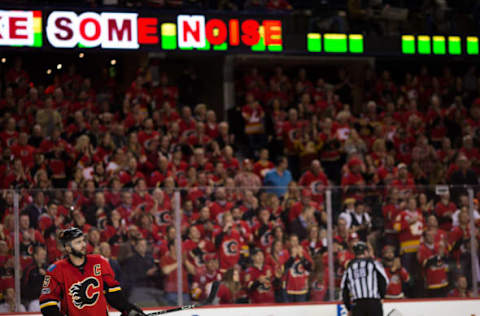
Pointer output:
169, 31
133, 31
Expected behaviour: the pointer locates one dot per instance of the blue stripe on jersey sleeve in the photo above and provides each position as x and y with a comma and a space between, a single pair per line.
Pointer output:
51, 267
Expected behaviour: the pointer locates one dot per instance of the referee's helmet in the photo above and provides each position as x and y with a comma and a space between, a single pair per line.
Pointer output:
359, 248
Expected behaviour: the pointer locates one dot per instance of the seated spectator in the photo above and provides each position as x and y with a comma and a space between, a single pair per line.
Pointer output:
276, 258
224, 137
397, 275
106, 251
359, 220
342, 232
389, 212
259, 278
37, 207
461, 288
139, 271
196, 248
204, 277
432, 258
228, 243
23, 151
97, 212
262, 229
253, 115
230, 290
315, 179
297, 269
247, 178
9, 305
32, 279
459, 243
169, 264
425, 205
476, 214
29, 237
318, 281
305, 201
277, 179
9, 136
463, 175
51, 218
404, 181
409, 226
49, 118
444, 210
220, 205
301, 224
93, 241
316, 242
432, 224
263, 165
352, 179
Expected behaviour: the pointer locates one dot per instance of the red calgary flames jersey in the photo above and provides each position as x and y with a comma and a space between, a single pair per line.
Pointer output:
79, 291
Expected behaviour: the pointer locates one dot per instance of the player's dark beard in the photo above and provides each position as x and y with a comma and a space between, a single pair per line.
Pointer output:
77, 253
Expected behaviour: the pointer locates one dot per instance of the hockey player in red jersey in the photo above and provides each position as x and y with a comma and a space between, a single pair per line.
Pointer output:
81, 284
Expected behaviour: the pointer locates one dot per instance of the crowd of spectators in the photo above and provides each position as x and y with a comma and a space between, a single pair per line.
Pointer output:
114, 174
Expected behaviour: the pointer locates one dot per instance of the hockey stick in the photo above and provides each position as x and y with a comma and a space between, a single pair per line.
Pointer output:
208, 301
394, 312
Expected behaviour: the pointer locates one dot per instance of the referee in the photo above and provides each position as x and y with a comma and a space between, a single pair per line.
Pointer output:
364, 284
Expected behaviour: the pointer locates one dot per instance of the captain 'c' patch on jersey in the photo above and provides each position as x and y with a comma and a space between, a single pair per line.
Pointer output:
85, 293
97, 269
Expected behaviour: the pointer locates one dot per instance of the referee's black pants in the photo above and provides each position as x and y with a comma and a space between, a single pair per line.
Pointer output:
367, 307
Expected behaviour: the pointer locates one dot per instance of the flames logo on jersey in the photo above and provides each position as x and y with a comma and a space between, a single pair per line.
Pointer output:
266, 239
298, 269
164, 218
230, 247
79, 292
317, 187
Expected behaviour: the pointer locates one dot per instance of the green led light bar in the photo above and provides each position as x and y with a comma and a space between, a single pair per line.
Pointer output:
223, 46
424, 45
169, 36
439, 45
472, 45
37, 29
355, 43
314, 42
335, 43
408, 44
275, 48
454, 45
260, 46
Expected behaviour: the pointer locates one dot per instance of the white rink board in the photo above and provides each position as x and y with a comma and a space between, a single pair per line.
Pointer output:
467, 307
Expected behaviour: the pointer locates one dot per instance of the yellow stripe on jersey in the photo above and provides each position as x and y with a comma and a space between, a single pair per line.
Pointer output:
114, 289
49, 303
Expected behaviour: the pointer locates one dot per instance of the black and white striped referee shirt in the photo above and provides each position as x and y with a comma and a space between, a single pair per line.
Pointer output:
364, 278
